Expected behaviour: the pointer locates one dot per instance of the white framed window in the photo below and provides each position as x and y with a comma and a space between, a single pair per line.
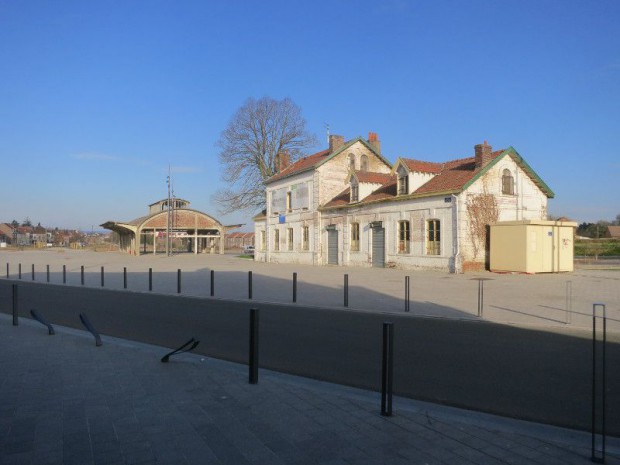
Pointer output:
276, 240
263, 240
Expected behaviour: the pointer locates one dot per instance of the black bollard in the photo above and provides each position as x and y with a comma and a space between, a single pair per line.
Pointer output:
179, 281
253, 362
64, 274
48, 273
19, 268
15, 308
599, 394
33, 271
212, 283
295, 287
101, 276
124, 277
387, 369
250, 285
346, 290
150, 279
7, 270
82, 274
480, 297
407, 294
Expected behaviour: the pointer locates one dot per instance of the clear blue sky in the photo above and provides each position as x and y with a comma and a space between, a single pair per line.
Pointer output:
97, 98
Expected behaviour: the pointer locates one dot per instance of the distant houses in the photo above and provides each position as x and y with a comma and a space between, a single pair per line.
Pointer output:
40, 236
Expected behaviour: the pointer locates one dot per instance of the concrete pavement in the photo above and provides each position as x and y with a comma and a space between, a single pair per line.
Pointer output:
544, 300
65, 401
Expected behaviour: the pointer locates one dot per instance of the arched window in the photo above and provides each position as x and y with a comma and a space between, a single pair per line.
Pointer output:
351, 161
508, 183
364, 163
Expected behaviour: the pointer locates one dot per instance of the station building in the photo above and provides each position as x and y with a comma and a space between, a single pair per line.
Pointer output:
190, 230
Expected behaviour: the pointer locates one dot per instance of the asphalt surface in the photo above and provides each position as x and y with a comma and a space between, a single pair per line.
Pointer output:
544, 376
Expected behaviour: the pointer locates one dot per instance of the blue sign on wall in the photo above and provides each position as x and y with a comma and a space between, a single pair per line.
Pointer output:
282, 219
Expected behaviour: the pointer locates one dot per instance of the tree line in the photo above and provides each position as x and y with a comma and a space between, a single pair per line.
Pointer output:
596, 230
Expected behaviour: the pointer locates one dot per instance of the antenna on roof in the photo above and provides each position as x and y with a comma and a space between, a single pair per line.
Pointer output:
327, 129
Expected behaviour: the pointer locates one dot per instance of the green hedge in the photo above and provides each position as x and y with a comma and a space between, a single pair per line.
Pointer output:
601, 247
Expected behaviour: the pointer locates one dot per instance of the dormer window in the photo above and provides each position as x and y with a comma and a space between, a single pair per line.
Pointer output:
355, 193
403, 181
508, 183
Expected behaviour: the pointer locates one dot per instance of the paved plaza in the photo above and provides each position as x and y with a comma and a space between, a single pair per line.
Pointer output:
66, 401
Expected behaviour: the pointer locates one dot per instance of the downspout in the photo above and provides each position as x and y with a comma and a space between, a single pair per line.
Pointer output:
458, 267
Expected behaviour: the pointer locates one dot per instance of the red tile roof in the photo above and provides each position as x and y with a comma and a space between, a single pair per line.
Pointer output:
450, 177
422, 166
301, 165
344, 198
453, 175
372, 177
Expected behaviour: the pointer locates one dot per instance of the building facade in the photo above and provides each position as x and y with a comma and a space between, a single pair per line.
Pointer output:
348, 205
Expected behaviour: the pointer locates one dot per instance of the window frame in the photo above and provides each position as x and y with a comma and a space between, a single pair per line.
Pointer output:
354, 230
305, 241
404, 237
403, 181
276, 240
355, 191
289, 239
263, 240
364, 163
433, 244
508, 182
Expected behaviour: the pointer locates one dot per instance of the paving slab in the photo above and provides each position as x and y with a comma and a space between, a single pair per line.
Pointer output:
63, 400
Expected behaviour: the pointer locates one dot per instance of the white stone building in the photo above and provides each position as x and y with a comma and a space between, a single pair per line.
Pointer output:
348, 205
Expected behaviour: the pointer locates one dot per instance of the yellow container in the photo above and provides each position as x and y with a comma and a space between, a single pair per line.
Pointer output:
532, 246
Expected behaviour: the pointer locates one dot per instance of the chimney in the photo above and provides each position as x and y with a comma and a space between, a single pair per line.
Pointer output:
373, 139
335, 142
283, 159
483, 154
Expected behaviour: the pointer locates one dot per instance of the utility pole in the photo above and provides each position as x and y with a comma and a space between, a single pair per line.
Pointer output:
168, 218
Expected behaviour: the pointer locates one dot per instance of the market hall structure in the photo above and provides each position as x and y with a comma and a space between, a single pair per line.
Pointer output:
190, 230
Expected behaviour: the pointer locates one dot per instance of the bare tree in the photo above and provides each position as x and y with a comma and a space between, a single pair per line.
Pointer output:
258, 131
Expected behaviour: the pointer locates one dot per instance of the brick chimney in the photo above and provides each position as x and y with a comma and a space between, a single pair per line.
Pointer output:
335, 142
373, 139
283, 159
483, 154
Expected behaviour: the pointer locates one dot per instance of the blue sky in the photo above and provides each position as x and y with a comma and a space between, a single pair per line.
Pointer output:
97, 98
